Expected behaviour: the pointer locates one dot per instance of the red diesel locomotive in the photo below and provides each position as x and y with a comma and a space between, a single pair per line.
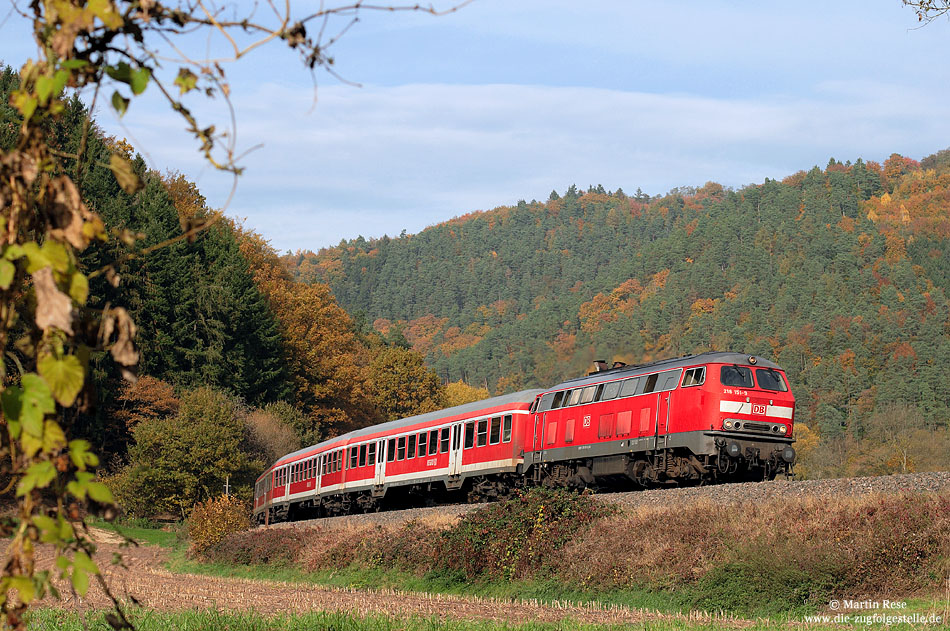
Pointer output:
699, 419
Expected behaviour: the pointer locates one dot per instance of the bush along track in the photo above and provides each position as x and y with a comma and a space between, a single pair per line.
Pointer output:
779, 558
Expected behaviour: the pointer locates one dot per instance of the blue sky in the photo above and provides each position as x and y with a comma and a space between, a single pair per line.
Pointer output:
507, 100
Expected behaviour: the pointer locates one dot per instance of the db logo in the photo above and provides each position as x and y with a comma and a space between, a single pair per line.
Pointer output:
587, 421
758, 408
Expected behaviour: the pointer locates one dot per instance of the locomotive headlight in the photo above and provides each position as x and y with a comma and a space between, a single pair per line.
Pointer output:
727, 424
783, 429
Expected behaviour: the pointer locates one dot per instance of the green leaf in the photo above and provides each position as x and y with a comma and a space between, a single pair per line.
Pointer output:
80, 581
24, 587
140, 80
53, 437
7, 271
122, 71
27, 405
44, 88
81, 456
186, 80
63, 562
38, 476
65, 377
100, 493
57, 255
25, 103
74, 64
13, 252
124, 175
49, 529
82, 561
120, 103
78, 286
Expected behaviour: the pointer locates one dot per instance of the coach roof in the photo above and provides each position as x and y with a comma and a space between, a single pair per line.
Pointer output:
525, 396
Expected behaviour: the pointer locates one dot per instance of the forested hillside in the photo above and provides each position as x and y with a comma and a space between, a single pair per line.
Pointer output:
238, 363
840, 274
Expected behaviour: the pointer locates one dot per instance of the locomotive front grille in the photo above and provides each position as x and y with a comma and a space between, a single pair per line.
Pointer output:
752, 426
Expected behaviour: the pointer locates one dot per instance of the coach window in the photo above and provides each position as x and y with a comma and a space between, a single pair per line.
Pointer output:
444, 443
738, 376
575, 396
629, 387
483, 432
611, 390
770, 380
559, 398
587, 395
401, 448
422, 445
411, 447
495, 436
506, 430
362, 455
470, 435
391, 450
433, 442
694, 377
371, 454
354, 457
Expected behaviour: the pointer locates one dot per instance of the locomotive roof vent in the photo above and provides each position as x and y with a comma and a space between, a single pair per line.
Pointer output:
752, 359
600, 365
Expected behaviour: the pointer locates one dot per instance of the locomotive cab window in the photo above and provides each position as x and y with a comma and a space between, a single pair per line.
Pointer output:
559, 398
546, 402
694, 377
649, 384
770, 380
495, 436
738, 376
506, 430
611, 390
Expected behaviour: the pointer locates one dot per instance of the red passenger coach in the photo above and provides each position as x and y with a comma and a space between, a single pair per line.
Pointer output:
699, 419
470, 451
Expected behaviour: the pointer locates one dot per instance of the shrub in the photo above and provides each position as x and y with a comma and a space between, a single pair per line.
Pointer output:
213, 520
516, 537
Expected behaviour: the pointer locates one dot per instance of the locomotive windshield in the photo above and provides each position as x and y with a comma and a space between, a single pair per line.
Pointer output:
738, 376
770, 380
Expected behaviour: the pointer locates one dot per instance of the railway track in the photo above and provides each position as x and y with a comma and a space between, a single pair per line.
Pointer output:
721, 494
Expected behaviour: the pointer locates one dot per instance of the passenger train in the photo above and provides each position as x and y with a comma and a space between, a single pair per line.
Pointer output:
705, 418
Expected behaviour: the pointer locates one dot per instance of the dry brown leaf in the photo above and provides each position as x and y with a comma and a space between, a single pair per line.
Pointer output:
69, 216
118, 323
53, 307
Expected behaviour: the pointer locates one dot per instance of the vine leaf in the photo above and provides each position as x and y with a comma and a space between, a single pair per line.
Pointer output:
27, 405
64, 376
53, 307
124, 175
38, 476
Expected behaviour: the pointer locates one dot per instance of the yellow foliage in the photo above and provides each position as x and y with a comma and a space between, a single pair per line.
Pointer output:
214, 520
459, 393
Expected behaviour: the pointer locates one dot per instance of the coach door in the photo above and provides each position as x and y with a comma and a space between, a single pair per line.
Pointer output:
380, 463
455, 451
